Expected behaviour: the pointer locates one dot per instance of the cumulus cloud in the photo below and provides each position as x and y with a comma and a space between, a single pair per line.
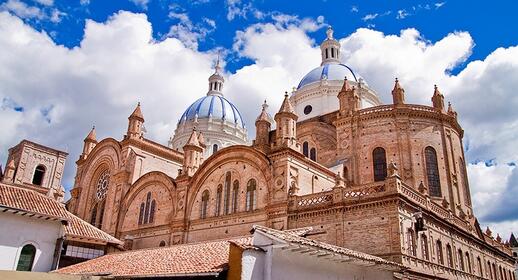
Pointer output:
22, 10
66, 91
140, 3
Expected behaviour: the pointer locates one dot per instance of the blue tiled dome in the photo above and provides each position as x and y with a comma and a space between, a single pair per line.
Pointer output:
329, 71
216, 106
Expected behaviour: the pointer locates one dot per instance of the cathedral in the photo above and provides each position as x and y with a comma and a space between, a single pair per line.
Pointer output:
385, 179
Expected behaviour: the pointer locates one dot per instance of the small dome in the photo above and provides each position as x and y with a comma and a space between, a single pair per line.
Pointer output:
331, 71
215, 106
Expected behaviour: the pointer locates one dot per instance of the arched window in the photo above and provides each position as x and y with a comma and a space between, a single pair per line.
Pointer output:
379, 162
488, 270
495, 274
461, 260
424, 247
251, 196
101, 215
479, 263
327, 53
102, 185
39, 173
93, 215
462, 168
432, 172
162, 243
147, 210
141, 213
214, 148
313, 154
332, 52
219, 195
438, 248
346, 173
501, 274
305, 149
235, 195
468, 263
411, 242
26, 259
226, 204
204, 204
449, 255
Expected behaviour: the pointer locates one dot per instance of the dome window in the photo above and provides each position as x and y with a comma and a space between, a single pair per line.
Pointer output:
308, 109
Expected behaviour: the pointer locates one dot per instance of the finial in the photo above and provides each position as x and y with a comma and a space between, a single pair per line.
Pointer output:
329, 32
265, 105
286, 94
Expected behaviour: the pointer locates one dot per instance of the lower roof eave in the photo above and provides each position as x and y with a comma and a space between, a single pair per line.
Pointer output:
169, 275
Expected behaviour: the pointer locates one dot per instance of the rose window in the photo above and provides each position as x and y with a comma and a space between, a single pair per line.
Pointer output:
102, 185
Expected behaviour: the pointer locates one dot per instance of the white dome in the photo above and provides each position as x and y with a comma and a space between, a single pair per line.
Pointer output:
328, 72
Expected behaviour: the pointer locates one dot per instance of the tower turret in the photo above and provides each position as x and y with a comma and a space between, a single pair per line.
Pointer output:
89, 143
330, 48
438, 99
398, 94
136, 121
9, 172
349, 99
216, 81
262, 129
193, 153
286, 120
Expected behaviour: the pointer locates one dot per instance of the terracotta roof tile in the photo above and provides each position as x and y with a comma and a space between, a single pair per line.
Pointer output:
18, 198
207, 258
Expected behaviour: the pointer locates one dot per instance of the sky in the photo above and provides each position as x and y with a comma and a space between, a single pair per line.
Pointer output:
68, 65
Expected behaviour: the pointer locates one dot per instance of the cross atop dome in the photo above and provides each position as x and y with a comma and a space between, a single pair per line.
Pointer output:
330, 48
216, 81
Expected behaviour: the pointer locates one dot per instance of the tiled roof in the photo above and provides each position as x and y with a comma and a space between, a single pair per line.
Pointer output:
79, 229
294, 238
31, 202
204, 258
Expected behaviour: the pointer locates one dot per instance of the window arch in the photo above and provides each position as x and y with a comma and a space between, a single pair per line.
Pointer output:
214, 148
468, 263
204, 204
424, 247
235, 196
449, 255
411, 242
101, 214
147, 210
313, 154
479, 263
219, 196
465, 184
39, 174
461, 260
440, 257
305, 149
432, 172
162, 244
379, 162
251, 195
26, 259
93, 215
226, 204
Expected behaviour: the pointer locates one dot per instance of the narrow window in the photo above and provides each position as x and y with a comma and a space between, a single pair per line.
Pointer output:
327, 53
228, 179
39, 173
465, 184
235, 195
332, 52
152, 212
449, 255
379, 161
214, 148
251, 197
146, 211
93, 216
101, 215
346, 173
141, 214
424, 247
432, 172
495, 275
461, 260
313, 154
162, 243
305, 149
468, 263
204, 204
26, 259
488, 270
219, 195
411, 242
440, 258
479, 263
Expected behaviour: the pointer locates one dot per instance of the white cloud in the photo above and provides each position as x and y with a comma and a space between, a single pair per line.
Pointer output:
188, 32
239, 9
46, 2
140, 3
439, 5
354, 9
368, 17
401, 14
22, 10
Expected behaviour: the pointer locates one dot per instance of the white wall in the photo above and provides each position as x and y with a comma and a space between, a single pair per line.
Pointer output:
16, 231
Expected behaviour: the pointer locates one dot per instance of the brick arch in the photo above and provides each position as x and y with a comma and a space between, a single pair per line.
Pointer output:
230, 154
144, 185
105, 155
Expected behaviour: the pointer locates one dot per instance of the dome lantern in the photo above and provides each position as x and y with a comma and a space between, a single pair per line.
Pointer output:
330, 48
216, 81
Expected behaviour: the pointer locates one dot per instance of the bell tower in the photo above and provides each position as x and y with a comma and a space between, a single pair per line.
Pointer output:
286, 120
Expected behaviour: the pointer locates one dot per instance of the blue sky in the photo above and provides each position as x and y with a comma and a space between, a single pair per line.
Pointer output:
68, 65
